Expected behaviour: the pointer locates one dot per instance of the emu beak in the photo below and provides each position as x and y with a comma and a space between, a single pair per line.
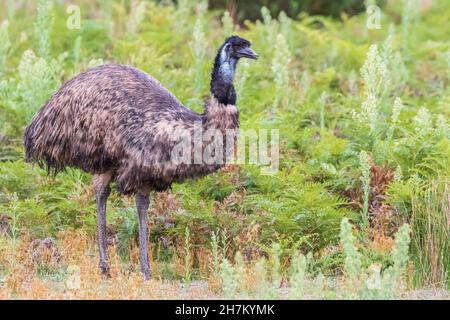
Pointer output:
247, 53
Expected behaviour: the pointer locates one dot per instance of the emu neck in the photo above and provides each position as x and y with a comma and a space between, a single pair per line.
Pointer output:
220, 116
222, 79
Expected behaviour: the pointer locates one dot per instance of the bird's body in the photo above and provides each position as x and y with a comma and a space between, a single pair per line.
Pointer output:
122, 125
119, 120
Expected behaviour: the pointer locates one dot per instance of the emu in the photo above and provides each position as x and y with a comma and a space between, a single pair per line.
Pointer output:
121, 125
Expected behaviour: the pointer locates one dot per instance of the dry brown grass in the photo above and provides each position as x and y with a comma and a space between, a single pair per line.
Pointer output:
73, 256
77, 259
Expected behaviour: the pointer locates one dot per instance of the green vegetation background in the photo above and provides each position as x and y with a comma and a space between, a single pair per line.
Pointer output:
342, 107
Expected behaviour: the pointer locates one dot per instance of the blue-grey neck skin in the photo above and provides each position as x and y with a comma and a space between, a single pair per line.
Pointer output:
227, 67
222, 77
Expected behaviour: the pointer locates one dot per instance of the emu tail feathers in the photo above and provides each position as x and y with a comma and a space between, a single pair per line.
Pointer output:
37, 151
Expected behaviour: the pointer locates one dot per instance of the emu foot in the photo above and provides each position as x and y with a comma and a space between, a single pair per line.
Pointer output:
104, 270
146, 274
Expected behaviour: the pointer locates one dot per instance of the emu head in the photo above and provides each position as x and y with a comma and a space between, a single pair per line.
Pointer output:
235, 48
229, 54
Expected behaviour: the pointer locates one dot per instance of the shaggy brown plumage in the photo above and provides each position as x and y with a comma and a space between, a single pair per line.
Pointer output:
118, 119
121, 124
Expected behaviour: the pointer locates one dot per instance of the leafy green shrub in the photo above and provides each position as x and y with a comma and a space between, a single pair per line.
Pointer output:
299, 210
127, 231
217, 187
18, 178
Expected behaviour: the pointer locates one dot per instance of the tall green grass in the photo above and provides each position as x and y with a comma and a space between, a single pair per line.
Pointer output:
430, 222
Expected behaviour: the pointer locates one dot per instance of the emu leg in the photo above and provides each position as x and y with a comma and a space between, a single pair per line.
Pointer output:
102, 191
142, 204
